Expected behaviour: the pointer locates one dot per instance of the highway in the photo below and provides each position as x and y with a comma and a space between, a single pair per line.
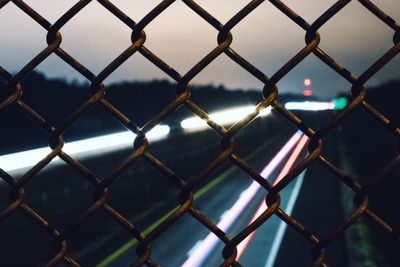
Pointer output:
188, 243
230, 199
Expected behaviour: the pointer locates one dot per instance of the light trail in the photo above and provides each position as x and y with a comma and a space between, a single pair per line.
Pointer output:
232, 115
222, 117
82, 148
335, 104
198, 194
267, 171
263, 206
310, 106
199, 253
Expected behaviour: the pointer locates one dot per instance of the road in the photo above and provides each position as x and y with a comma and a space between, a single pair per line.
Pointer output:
181, 244
101, 242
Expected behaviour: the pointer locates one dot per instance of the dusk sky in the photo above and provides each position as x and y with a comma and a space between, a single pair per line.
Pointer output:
266, 38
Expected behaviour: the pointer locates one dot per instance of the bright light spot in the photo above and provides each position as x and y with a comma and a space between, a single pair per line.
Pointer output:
223, 117
307, 82
307, 92
340, 103
86, 147
308, 105
158, 133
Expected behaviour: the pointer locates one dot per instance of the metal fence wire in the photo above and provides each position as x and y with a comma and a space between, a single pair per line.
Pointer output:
227, 153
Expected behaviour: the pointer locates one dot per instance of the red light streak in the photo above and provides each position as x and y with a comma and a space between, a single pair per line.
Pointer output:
263, 207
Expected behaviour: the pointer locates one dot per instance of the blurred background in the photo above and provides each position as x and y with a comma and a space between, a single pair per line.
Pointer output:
360, 145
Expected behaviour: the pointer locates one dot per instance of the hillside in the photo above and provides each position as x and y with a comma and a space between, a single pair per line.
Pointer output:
56, 99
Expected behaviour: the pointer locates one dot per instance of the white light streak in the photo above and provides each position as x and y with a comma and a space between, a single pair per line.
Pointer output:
309, 106
223, 117
82, 148
263, 206
199, 253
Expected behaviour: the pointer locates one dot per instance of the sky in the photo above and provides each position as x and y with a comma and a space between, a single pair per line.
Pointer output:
266, 38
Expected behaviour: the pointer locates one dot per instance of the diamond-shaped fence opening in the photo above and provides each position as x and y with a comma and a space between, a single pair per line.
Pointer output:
128, 190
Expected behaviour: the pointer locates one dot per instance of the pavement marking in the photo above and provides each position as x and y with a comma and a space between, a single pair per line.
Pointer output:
282, 226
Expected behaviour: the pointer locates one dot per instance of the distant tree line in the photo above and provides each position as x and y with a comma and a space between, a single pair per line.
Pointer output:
56, 99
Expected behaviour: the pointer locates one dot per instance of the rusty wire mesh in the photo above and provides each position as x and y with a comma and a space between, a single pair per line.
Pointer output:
183, 90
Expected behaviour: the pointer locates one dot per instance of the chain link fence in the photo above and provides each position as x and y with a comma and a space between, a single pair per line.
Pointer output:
186, 188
